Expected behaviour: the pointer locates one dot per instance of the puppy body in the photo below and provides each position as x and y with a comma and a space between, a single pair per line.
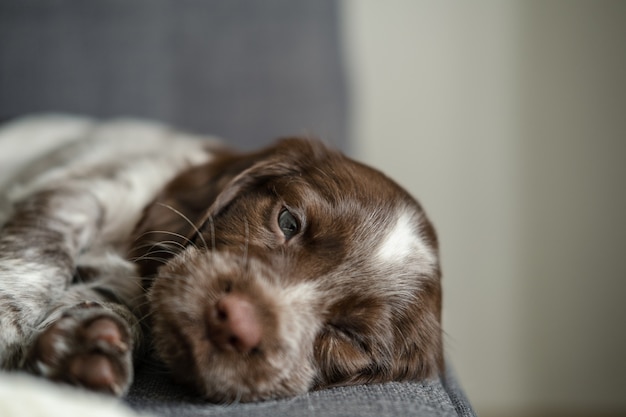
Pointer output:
258, 275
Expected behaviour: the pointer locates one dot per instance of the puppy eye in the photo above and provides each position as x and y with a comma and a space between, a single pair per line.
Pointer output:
287, 223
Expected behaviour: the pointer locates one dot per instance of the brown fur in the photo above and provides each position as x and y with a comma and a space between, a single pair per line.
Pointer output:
329, 311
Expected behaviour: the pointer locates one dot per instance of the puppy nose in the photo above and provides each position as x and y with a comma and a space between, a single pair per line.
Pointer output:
233, 324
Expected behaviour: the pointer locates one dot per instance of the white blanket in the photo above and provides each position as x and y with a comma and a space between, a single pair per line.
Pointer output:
22, 395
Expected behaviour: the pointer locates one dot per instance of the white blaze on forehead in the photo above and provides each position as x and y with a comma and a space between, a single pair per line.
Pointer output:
403, 240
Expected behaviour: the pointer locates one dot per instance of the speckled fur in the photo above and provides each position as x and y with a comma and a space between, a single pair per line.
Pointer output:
156, 227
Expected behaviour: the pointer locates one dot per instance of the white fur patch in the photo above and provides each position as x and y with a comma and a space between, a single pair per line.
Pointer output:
399, 242
402, 241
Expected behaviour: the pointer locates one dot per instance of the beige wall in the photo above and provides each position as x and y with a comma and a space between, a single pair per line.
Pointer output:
508, 120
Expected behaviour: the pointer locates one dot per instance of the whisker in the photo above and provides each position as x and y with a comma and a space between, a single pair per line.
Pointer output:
151, 258
155, 250
146, 316
138, 305
165, 244
245, 246
194, 227
166, 232
212, 226
159, 247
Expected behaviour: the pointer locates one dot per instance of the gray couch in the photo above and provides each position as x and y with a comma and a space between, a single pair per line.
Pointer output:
154, 393
249, 71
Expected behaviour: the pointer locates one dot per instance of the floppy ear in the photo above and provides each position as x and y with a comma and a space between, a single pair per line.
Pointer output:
289, 156
413, 347
205, 190
422, 357
172, 218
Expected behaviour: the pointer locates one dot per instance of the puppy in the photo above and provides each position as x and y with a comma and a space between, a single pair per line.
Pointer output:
250, 275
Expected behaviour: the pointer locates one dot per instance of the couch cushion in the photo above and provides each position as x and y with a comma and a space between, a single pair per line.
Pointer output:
154, 393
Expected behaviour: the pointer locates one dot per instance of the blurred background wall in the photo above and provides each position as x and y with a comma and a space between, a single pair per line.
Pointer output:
508, 120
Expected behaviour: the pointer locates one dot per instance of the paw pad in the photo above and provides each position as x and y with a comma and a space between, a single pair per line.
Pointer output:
89, 348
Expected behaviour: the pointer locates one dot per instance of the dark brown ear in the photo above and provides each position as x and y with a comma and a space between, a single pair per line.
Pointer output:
411, 349
173, 218
288, 157
421, 354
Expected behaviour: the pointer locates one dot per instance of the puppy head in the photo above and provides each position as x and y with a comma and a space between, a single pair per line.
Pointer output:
304, 269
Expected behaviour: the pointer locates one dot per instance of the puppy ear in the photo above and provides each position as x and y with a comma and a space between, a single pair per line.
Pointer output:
288, 157
172, 218
420, 355
411, 349
205, 190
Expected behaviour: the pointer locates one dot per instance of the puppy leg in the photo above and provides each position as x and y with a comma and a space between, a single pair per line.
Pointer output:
39, 246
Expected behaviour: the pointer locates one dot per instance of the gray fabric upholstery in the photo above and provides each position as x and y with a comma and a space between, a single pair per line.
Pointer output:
155, 393
248, 71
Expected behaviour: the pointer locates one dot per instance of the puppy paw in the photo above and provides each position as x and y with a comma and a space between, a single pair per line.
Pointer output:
88, 346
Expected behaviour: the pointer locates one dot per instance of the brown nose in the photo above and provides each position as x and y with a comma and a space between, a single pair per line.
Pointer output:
233, 324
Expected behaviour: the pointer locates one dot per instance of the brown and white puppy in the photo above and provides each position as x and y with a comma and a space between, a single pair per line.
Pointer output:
256, 275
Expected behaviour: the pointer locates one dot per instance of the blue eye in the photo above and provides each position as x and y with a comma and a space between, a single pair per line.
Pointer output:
288, 224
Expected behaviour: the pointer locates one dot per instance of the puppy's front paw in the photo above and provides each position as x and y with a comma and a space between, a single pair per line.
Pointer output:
88, 346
